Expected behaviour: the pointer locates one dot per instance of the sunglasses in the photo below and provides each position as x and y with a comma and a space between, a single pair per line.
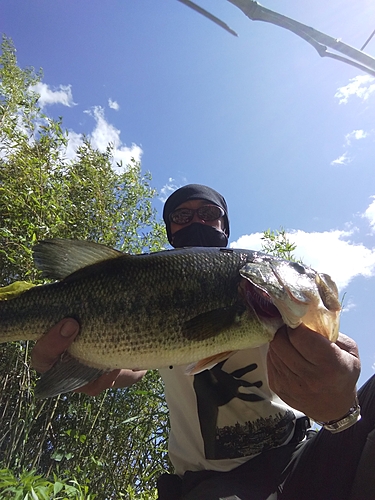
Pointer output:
207, 213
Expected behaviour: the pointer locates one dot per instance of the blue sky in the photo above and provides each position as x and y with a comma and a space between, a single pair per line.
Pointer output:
287, 137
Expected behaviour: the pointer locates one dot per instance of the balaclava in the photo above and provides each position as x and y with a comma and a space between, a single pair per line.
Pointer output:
198, 234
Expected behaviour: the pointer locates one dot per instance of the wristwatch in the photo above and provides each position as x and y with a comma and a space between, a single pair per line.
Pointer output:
352, 417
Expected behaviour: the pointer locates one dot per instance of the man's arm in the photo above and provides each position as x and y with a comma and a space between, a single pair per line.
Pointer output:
312, 374
53, 344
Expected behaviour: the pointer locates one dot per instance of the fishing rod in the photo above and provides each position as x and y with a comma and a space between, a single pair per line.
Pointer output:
320, 41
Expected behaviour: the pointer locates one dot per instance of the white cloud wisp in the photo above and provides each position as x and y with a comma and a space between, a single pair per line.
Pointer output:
63, 95
168, 189
370, 213
113, 104
356, 135
344, 159
362, 86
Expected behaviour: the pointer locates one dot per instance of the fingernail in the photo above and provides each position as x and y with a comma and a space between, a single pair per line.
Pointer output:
68, 329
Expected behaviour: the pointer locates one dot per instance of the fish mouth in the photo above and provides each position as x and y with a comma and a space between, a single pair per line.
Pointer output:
259, 300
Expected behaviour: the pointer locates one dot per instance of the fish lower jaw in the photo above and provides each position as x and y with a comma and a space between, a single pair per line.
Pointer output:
316, 318
326, 323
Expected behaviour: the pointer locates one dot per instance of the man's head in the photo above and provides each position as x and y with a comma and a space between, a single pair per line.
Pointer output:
196, 215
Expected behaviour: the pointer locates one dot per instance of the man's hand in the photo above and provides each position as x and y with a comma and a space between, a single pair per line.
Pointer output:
312, 374
53, 344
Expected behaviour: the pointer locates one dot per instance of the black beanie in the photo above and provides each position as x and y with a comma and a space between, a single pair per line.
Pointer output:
193, 192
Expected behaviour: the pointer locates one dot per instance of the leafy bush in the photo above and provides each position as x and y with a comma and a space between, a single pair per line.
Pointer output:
31, 486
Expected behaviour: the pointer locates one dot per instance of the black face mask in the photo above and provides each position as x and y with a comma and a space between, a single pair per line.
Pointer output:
199, 235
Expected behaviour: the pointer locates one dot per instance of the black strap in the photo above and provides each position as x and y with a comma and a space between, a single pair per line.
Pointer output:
300, 430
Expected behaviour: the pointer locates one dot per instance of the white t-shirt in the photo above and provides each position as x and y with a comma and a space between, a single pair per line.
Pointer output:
222, 417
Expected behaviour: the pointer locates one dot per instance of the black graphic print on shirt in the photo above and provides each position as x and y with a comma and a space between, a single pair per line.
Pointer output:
215, 389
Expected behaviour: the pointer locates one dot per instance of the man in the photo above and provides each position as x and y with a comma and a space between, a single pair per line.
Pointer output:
239, 429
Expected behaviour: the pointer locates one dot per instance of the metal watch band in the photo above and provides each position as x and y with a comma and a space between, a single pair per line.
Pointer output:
351, 418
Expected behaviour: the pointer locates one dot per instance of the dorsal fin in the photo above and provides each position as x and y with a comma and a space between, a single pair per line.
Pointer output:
58, 258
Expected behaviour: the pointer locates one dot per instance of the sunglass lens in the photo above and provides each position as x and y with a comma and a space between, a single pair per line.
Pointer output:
182, 216
210, 212
207, 213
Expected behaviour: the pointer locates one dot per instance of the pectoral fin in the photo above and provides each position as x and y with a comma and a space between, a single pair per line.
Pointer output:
65, 376
209, 324
207, 363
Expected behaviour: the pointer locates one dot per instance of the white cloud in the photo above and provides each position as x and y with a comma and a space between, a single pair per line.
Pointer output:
63, 95
344, 159
105, 133
360, 86
168, 189
356, 134
370, 213
252, 241
113, 104
348, 305
329, 252
74, 142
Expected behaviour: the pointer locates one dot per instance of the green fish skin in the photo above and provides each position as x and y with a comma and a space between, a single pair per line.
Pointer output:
167, 308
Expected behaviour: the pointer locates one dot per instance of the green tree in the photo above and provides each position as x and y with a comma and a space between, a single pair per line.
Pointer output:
114, 443
276, 242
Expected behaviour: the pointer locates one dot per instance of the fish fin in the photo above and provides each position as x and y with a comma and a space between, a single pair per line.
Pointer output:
65, 376
15, 289
209, 324
207, 363
58, 258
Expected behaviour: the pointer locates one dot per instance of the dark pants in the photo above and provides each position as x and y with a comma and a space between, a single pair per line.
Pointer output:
322, 467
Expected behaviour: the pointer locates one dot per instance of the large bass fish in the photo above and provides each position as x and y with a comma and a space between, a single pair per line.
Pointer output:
191, 305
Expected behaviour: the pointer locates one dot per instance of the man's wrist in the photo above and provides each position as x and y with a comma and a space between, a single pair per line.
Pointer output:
350, 418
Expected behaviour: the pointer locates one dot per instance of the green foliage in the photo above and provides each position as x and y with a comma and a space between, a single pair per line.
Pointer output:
31, 486
277, 243
116, 441
147, 495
